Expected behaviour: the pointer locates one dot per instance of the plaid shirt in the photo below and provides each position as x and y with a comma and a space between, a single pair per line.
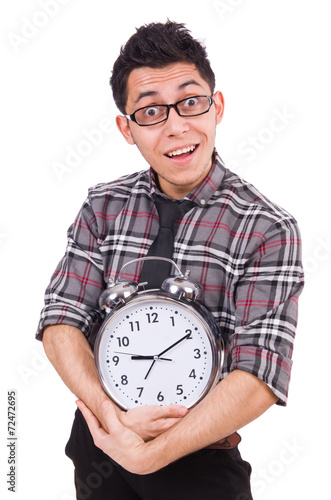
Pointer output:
244, 250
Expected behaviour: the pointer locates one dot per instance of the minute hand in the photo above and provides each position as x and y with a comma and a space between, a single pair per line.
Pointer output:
173, 345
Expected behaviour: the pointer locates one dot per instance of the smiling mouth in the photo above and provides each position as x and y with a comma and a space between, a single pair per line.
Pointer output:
178, 152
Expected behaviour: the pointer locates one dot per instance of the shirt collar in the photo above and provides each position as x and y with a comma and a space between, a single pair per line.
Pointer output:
202, 193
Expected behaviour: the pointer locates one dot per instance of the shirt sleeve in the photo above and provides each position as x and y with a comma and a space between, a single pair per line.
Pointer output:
267, 308
71, 297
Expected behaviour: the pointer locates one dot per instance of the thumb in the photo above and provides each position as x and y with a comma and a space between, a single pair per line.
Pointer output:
173, 411
91, 420
110, 416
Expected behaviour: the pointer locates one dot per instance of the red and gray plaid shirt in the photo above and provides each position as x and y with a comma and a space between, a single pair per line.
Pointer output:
243, 249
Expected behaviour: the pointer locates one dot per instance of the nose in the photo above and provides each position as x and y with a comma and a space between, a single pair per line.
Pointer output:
175, 124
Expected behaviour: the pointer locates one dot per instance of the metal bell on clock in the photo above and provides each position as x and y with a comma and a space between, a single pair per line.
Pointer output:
115, 293
182, 287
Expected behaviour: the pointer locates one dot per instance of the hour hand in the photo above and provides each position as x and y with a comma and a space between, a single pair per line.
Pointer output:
155, 358
140, 356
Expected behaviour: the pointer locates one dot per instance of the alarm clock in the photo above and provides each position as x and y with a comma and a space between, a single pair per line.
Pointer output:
157, 347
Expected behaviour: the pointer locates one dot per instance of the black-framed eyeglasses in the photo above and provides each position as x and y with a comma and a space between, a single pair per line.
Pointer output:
156, 113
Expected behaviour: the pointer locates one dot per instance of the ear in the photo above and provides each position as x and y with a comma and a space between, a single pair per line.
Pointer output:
123, 126
219, 106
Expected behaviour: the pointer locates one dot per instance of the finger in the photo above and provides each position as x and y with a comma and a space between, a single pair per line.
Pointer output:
171, 411
91, 420
110, 417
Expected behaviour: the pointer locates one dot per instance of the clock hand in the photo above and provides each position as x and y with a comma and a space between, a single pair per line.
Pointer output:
139, 356
149, 369
150, 357
173, 345
127, 353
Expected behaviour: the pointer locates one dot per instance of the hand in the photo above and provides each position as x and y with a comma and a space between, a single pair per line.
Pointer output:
151, 421
121, 443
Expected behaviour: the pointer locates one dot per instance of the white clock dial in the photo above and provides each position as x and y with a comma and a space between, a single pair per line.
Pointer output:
156, 351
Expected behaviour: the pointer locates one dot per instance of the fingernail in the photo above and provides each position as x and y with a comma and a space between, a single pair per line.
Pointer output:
105, 405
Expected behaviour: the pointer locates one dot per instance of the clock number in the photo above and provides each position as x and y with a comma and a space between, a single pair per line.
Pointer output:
140, 389
172, 320
152, 317
179, 390
198, 355
116, 360
160, 396
134, 325
190, 334
123, 341
192, 374
124, 380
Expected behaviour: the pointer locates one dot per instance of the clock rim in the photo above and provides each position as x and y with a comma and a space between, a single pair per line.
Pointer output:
210, 326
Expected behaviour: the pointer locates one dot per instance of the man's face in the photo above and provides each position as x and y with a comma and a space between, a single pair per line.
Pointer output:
178, 174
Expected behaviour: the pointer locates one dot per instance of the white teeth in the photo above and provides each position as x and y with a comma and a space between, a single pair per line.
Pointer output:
181, 151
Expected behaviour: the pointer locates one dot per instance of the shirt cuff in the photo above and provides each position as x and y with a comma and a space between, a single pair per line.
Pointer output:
270, 367
57, 314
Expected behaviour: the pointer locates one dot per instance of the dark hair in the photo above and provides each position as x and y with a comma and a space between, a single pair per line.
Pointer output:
157, 45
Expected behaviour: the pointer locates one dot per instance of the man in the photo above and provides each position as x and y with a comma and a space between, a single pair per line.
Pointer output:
243, 249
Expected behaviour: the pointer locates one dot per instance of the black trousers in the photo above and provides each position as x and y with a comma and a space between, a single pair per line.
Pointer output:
204, 475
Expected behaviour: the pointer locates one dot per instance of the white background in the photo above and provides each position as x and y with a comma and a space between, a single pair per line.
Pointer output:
270, 58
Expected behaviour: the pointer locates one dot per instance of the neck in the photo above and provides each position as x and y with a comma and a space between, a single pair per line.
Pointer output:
179, 191
173, 191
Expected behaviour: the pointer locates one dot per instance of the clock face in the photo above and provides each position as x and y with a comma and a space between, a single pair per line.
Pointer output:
156, 351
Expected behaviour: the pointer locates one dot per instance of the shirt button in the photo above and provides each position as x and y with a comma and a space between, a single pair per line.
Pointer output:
202, 202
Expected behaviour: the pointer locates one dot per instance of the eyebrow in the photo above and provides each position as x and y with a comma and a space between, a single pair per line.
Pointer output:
189, 82
152, 93
145, 94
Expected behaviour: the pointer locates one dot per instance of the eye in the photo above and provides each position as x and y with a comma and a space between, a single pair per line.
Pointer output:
151, 112
191, 101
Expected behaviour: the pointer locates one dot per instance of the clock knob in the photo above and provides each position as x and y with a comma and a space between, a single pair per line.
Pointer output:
182, 287
116, 293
